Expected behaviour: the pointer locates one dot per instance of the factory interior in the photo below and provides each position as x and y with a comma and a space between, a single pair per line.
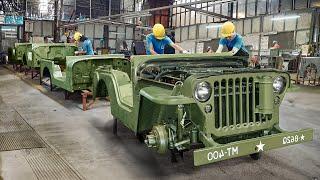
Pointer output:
159, 89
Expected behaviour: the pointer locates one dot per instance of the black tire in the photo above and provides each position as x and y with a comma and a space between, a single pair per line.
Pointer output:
256, 156
173, 156
40, 79
11, 57
115, 126
51, 85
141, 137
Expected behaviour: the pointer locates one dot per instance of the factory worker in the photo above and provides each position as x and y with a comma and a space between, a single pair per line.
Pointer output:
157, 41
231, 40
87, 48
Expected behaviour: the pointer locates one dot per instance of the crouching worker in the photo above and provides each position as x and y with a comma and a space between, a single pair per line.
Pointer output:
231, 40
157, 41
87, 48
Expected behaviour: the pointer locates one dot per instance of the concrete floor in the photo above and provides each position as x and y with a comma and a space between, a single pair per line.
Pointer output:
86, 142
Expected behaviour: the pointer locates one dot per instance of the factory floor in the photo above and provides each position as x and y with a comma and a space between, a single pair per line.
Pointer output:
44, 136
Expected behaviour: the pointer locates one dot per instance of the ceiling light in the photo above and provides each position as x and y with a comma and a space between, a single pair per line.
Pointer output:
214, 26
279, 18
118, 33
136, 16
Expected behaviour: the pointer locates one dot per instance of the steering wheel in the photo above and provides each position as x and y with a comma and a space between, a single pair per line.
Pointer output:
159, 76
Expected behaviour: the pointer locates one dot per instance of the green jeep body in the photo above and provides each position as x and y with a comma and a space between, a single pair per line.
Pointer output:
30, 54
159, 97
76, 72
18, 53
56, 52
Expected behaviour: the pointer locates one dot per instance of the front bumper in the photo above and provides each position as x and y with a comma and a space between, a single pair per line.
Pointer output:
245, 147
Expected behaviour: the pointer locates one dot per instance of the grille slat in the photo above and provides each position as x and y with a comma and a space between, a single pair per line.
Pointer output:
235, 100
247, 100
227, 103
220, 104
253, 101
240, 102
234, 103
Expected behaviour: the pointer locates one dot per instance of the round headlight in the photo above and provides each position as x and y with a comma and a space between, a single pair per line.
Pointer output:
202, 92
279, 84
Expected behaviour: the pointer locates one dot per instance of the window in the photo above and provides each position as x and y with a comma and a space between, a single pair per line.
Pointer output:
218, 11
273, 6
261, 7
286, 5
193, 18
203, 16
225, 9
251, 5
301, 4
241, 8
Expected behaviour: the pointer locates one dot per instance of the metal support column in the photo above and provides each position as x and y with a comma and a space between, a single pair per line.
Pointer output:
56, 21
109, 9
90, 9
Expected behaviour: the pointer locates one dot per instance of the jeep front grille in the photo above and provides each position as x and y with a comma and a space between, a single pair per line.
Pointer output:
235, 100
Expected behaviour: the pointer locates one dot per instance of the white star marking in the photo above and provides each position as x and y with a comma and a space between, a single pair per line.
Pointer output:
302, 137
260, 146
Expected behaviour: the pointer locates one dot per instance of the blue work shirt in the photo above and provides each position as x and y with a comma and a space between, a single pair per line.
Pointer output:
236, 42
158, 45
87, 47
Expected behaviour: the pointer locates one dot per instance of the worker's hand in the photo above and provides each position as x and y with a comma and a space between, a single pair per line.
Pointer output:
186, 52
77, 53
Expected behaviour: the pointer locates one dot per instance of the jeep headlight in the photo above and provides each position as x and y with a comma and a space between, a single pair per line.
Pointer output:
202, 92
29, 56
279, 83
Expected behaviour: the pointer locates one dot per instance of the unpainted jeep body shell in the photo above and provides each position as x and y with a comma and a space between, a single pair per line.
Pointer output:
76, 72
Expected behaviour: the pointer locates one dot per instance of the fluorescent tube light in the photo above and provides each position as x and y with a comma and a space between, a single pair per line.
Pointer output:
214, 26
136, 16
279, 18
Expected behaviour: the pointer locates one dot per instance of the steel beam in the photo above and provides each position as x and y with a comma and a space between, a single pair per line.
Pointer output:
157, 9
208, 12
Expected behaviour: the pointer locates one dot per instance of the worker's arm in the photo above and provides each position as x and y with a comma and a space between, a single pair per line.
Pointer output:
80, 52
222, 42
77, 53
152, 50
150, 45
234, 50
237, 46
177, 47
219, 50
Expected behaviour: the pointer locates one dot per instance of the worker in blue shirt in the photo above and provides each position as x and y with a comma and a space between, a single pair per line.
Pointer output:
157, 41
231, 40
87, 48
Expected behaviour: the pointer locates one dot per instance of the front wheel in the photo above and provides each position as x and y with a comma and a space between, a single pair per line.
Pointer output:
141, 137
256, 156
115, 126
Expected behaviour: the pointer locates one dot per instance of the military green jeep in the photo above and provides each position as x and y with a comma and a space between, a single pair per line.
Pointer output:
30, 54
213, 104
56, 52
17, 54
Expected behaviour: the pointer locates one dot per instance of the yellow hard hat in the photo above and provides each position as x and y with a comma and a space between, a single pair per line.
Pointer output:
77, 36
158, 31
227, 29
